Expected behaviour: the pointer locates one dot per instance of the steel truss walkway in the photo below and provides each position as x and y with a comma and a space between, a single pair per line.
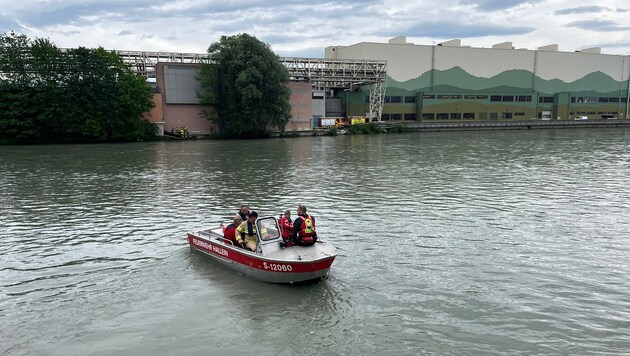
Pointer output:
323, 73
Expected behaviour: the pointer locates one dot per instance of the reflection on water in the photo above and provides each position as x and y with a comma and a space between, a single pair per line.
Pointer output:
471, 242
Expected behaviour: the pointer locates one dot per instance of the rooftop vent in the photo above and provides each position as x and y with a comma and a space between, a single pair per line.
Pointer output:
503, 45
398, 40
549, 48
451, 43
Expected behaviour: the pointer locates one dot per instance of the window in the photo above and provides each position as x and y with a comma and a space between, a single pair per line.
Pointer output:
469, 116
443, 96
524, 98
483, 116
494, 115
506, 115
586, 100
428, 116
428, 96
470, 97
545, 99
395, 99
385, 117
410, 99
396, 116
456, 116
411, 116
456, 96
442, 116
482, 97
602, 100
519, 114
495, 98
508, 98
613, 100
367, 98
572, 100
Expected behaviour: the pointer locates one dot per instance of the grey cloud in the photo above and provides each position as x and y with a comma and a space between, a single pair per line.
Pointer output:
445, 29
493, 5
124, 32
598, 26
623, 10
620, 44
582, 10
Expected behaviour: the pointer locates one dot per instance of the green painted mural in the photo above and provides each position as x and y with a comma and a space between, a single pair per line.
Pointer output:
457, 80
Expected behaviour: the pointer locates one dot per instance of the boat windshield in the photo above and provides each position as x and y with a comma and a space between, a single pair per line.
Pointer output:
268, 228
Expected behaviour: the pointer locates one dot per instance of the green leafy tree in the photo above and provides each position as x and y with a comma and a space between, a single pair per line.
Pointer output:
246, 85
50, 95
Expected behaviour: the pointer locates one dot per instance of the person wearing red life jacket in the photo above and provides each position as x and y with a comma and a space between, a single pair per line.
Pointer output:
229, 232
304, 232
286, 225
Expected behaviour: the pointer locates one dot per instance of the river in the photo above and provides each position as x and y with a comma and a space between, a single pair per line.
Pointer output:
498, 242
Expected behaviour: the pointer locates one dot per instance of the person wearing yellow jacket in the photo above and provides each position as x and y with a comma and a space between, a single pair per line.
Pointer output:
246, 232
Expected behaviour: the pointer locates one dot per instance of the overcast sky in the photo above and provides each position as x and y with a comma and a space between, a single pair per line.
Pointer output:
304, 28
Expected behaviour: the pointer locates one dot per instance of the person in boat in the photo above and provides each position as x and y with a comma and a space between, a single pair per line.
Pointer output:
286, 224
230, 231
244, 212
246, 232
304, 232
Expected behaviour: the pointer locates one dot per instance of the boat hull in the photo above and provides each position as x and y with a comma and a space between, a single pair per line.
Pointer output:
312, 263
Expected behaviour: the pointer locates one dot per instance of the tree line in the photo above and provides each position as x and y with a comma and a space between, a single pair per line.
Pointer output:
50, 95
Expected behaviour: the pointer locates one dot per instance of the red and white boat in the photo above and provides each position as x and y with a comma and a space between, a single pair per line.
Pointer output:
270, 262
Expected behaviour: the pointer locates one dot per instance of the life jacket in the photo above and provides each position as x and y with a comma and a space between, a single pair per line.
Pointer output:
306, 235
287, 227
229, 232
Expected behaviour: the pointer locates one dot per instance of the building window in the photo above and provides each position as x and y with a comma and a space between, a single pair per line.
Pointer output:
613, 100
396, 116
485, 97
586, 100
573, 99
410, 99
428, 116
602, 100
495, 98
393, 99
483, 116
470, 97
508, 98
524, 98
384, 117
443, 96
456, 96
426, 96
506, 115
469, 116
411, 116
494, 115
519, 114
545, 99
456, 116
367, 98
442, 116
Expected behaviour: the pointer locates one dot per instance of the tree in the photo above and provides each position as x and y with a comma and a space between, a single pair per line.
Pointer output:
246, 85
49, 95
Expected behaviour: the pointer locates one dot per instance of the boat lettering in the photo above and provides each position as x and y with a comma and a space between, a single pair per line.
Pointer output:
277, 267
209, 247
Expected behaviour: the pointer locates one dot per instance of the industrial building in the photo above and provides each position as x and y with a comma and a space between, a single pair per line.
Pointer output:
401, 81
449, 81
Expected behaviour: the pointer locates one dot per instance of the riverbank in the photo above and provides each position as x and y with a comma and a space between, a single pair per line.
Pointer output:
414, 126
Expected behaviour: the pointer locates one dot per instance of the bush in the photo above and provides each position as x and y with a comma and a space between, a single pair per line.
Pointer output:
364, 129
